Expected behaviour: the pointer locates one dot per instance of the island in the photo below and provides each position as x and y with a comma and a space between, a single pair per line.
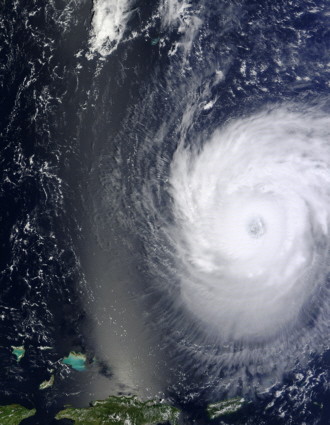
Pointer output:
122, 410
225, 407
14, 414
47, 384
19, 352
76, 361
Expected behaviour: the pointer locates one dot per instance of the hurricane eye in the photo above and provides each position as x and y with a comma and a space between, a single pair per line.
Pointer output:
256, 227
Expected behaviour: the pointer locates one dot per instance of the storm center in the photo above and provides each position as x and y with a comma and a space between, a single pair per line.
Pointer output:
256, 227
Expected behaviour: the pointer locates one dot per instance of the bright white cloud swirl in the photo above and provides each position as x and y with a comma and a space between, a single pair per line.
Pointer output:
251, 230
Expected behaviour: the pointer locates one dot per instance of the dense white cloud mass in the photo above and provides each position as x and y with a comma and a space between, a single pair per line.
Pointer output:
111, 23
110, 18
251, 212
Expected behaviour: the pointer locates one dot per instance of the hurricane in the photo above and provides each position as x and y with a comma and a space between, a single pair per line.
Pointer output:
165, 211
214, 201
251, 223
237, 247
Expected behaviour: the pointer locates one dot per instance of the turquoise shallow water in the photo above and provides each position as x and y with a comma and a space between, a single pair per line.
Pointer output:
76, 360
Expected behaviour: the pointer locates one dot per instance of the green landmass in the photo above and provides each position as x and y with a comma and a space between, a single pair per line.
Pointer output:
225, 407
19, 352
121, 411
14, 414
76, 361
47, 384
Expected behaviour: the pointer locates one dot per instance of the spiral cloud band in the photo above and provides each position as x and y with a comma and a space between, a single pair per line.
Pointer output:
251, 212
